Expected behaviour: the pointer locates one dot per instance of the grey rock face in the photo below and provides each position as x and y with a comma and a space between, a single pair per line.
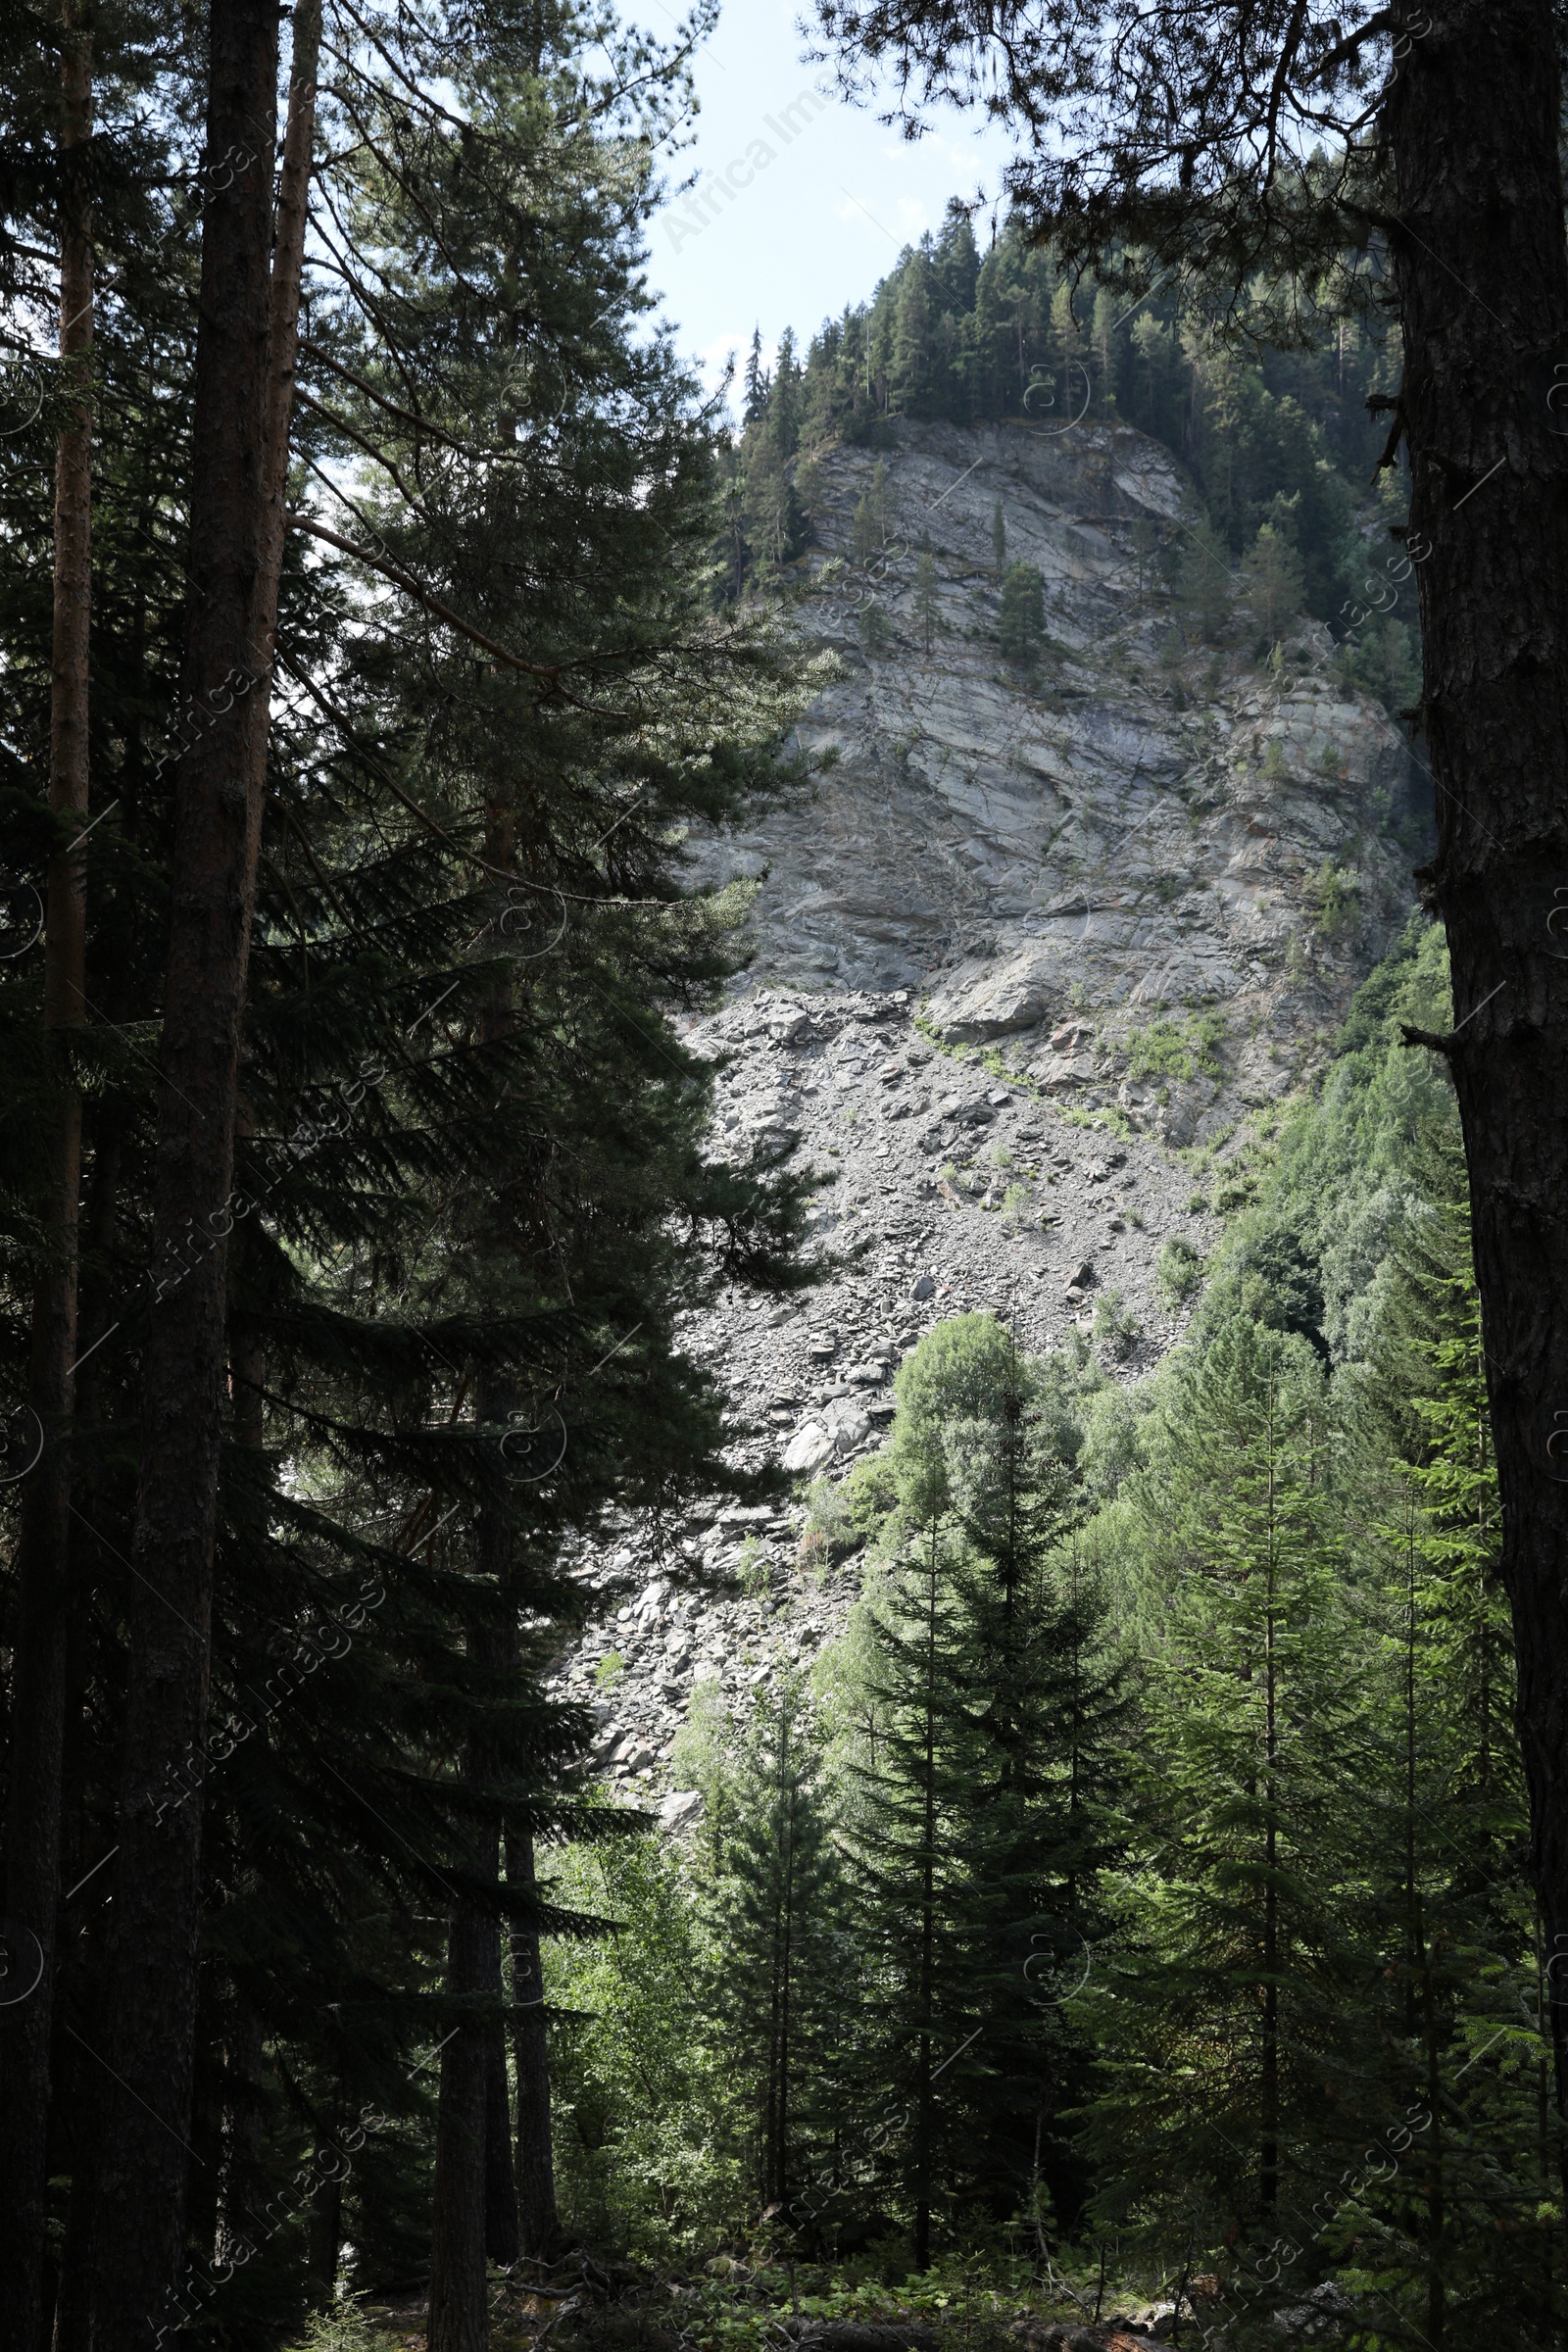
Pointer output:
1109, 841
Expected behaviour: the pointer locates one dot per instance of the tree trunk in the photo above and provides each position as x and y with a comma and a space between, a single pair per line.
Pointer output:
243, 393
1483, 280
459, 2320
323, 2233
239, 2195
43, 1552
500, 2240
538, 2224
473, 2175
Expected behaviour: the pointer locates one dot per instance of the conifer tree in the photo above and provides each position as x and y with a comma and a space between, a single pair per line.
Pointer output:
979, 1826
778, 1920
1459, 2031
1021, 615
1273, 583
1219, 2026
757, 384
1204, 584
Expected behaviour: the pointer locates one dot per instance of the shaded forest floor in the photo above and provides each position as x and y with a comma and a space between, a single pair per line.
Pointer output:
586, 2304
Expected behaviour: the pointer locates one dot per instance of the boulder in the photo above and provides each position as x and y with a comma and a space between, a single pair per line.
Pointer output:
849, 1429
809, 1449
680, 1809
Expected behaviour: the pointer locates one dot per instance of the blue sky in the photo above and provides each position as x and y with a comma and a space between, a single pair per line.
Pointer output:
802, 201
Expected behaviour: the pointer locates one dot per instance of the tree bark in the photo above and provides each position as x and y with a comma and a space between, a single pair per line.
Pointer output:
1483, 283
243, 393
239, 2195
43, 1553
538, 2223
500, 2240
473, 2187
459, 2320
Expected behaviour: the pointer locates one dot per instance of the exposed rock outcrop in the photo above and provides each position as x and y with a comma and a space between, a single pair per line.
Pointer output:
1061, 861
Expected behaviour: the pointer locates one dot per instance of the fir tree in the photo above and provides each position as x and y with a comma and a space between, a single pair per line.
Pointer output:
999, 535
1273, 583
979, 1825
1204, 584
757, 382
1219, 2028
777, 1913
1021, 615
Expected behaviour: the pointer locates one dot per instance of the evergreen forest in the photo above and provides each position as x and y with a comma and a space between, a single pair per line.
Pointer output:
1126, 1920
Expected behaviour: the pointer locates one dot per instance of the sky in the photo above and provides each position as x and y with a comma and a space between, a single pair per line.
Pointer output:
802, 201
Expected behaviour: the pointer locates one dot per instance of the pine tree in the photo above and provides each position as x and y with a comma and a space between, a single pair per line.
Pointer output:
999, 535
1021, 615
1204, 584
1273, 583
777, 1916
757, 382
1036, 1828
462, 1137
1219, 2029
979, 1825
1459, 2033
911, 1877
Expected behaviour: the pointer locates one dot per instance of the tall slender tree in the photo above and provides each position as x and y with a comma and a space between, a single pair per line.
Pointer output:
239, 449
777, 1915
37, 1728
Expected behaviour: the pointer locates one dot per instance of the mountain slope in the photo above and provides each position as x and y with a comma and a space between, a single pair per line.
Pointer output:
1136, 828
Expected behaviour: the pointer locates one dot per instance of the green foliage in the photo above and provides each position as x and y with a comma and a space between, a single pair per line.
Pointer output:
1383, 659
1021, 615
1273, 583
342, 2327
1221, 1943
875, 628
979, 1817
640, 2079
778, 1912
1115, 1327
1222, 2024
1177, 1049
751, 1571
1278, 438
1336, 894
1204, 582
1179, 1270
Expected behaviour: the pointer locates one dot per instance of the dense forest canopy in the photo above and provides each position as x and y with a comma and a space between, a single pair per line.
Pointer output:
1129, 1905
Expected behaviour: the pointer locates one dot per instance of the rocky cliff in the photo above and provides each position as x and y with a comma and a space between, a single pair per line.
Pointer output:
1129, 835
1031, 962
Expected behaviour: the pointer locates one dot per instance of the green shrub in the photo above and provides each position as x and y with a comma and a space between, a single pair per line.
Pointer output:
1115, 1327
1179, 1272
343, 2327
1177, 1049
752, 1570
